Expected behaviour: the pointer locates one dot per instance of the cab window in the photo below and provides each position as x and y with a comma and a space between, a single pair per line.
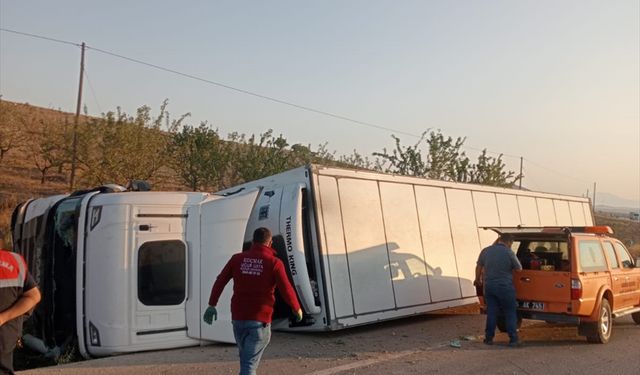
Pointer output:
162, 273
611, 255
623, 255
591, 256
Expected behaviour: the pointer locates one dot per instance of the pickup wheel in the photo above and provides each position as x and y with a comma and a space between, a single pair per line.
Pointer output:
601, 332
502, 323
636, 317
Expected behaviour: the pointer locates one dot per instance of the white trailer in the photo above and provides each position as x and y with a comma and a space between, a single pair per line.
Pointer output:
132, 271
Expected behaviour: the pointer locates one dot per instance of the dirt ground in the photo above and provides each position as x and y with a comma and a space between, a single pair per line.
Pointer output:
308, 353
298, 353
446, 343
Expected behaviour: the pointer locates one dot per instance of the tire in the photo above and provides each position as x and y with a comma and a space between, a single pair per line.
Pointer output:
502, 323
601, 332
636, 317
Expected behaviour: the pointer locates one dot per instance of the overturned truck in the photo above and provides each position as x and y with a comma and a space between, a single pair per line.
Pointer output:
125, 271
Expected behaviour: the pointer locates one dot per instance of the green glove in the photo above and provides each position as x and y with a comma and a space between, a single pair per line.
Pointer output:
210, 315
298, 315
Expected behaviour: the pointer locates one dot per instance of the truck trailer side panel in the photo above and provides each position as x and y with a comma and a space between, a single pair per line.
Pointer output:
438, 243
394, 246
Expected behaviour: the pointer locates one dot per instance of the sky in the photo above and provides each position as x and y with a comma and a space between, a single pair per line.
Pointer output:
554, 82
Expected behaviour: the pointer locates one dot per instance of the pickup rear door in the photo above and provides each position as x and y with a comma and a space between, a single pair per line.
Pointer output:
548, 291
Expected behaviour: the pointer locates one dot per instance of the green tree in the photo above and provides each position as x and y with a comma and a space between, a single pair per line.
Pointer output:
47, 147
12, 128
257, 157
118, 148
358, 161
404, 160
491, 171
199, 157
444, 160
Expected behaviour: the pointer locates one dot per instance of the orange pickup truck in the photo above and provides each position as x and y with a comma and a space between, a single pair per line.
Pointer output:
579, 275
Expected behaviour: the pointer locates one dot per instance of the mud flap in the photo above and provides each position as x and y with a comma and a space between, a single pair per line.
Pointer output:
587, 329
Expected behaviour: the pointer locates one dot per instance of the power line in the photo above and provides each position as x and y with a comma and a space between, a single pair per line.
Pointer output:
93, 93
219, 84
247, 92
298, 106
492, 152
556, 172
41, 37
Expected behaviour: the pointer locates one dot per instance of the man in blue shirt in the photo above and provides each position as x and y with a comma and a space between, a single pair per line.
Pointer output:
494, 271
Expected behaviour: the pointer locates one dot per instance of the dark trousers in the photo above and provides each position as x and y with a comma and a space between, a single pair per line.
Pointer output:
501, 298
6, 363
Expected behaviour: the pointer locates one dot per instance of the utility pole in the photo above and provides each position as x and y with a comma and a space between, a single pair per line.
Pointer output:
74, 150
594, 197
521, 159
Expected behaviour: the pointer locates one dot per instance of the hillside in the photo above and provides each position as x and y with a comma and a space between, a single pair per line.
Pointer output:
626, 230
20, 178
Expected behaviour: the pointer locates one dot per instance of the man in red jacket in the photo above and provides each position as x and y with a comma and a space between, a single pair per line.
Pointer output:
255, 274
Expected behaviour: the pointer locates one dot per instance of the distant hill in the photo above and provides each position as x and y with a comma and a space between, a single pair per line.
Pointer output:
618, 211
610, 202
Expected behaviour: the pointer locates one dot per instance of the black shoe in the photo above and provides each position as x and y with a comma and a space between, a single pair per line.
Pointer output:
515, 344
488, 341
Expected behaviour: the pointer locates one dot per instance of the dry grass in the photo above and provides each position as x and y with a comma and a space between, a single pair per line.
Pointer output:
18, 183
624, 229
19, 178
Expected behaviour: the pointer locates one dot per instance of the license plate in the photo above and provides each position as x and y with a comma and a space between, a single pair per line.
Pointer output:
531, 305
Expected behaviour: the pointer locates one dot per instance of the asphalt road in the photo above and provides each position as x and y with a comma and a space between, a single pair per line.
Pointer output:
417, 345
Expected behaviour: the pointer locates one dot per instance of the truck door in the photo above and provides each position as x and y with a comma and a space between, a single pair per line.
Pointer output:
617, 276
223, 222
628, 277
291, 227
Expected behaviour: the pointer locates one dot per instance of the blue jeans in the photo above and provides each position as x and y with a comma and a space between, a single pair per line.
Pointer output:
252, 338
501, 298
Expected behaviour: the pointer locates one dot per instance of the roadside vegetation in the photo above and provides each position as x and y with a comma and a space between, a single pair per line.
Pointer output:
174, 154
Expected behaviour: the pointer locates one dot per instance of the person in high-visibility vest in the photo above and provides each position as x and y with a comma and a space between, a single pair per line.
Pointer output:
18, 295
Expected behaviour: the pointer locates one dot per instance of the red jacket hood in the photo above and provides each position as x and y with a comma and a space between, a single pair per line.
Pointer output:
264, 249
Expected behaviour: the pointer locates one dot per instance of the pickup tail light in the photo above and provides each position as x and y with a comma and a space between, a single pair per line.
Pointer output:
576, 289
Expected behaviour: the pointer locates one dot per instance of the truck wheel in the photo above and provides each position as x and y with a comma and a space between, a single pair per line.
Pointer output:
636, 317
502, 323
602, 329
